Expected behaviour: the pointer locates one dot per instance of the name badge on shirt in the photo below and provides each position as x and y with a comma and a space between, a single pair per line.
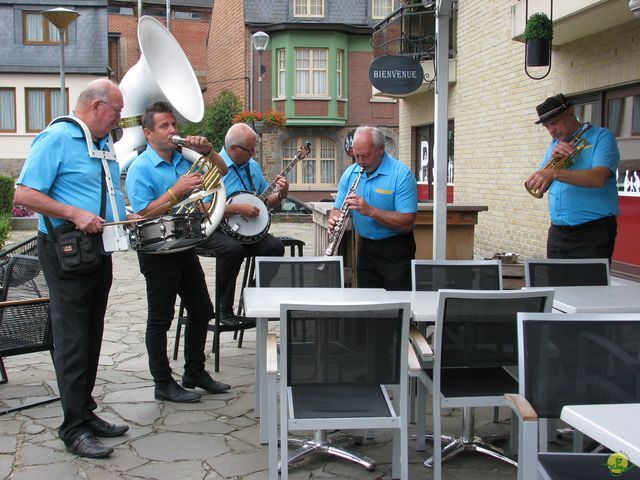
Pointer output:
384, 192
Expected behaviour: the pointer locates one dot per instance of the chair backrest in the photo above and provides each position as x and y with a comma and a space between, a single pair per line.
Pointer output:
575, 359
433, 275
299, 272
566, 272
23, 278
478, 329
27, 247
353, 344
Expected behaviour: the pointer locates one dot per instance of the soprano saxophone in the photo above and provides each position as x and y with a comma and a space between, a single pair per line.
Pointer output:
340, 225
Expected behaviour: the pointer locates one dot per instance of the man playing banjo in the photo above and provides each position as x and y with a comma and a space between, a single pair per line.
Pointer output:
245, 175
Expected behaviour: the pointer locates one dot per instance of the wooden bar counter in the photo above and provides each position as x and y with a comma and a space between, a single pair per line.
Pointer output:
461, 222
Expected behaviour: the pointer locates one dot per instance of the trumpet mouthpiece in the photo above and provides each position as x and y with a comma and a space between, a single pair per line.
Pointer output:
179, 140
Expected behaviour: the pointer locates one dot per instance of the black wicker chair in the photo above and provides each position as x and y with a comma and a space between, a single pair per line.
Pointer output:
25, 324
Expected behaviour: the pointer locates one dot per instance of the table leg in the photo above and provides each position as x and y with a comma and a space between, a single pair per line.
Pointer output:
262, 327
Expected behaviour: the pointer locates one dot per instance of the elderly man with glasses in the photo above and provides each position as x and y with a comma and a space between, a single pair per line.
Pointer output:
245, 175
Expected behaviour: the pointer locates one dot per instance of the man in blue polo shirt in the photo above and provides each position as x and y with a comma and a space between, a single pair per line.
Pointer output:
383, 211
244, 175
60, 180
583, 199
156, 180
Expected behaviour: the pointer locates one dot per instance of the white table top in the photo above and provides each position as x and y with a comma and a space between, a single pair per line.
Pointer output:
424, 305
608, 299
265, 302
617, 427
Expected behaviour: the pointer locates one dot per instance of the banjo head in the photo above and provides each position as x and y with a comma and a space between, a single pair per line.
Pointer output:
247, 229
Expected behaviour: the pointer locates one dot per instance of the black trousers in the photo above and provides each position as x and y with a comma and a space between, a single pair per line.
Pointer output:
78, 304
166, 276
386, 263
594, 239
230, 254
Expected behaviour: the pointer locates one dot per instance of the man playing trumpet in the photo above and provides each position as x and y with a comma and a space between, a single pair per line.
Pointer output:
583, 198
156, 181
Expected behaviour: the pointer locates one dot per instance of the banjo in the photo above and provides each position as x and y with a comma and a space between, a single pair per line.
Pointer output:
254, 229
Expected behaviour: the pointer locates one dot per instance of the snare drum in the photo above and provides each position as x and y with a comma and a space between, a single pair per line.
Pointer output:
169, 233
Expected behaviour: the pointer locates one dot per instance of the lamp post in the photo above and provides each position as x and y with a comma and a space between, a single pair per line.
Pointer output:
260, 41
61, 18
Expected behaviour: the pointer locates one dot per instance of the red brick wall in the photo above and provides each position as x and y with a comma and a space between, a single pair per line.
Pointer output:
228, 52
190, 34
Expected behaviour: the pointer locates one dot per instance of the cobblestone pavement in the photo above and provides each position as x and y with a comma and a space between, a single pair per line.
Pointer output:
213, 439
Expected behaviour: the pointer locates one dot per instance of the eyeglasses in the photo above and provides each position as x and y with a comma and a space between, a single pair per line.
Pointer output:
250, 151
115, 110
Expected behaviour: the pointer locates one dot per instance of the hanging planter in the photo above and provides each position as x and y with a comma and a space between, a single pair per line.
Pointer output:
538, 34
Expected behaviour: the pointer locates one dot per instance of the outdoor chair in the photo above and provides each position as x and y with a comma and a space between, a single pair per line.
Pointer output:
295, 245
572, 359
474, 360
25, 324
433, 275
336, 363
27, 247
566, 272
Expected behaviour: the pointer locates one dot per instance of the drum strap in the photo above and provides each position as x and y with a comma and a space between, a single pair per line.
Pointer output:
102, 155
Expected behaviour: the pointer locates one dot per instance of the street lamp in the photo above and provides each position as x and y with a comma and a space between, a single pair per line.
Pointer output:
61, 18
260, 41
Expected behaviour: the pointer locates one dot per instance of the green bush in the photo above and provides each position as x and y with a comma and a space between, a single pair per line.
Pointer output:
218, 117
538, 26
6, 194
5, 228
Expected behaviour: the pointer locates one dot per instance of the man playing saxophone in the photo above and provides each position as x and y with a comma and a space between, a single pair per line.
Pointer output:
583, 198
383, 209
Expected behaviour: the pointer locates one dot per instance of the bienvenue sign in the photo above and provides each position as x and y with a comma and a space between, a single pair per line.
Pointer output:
396, 74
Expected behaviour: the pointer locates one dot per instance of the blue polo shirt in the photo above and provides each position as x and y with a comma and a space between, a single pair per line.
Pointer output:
149, 176
59, 166
570, 205
391, 187
237, 178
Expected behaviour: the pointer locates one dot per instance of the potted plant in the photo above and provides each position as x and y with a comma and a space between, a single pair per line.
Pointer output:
537, 35
260, 121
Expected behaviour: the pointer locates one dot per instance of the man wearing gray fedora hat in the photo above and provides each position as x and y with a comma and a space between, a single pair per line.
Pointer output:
583, 197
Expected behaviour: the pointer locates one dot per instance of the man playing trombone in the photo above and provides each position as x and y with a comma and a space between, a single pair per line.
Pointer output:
583, 196
156, 181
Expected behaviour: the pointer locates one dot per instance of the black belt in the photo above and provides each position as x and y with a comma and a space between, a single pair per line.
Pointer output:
573, 228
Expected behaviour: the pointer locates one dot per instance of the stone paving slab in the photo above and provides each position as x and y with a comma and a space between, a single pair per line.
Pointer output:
214, 439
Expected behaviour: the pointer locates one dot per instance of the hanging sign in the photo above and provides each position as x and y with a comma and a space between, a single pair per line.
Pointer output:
396, 74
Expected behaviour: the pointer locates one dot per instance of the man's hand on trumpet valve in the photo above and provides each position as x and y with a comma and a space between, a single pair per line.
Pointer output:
186, 184
541, 180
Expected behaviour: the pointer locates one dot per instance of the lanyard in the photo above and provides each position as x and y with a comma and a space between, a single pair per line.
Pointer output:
248, 172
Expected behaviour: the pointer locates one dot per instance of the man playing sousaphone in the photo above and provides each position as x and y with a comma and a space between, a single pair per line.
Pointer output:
583, 196
156, 181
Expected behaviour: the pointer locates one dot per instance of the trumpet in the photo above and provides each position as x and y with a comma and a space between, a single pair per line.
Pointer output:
579, 142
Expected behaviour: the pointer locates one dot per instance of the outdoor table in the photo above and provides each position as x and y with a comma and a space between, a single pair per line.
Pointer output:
597, 299
615, 426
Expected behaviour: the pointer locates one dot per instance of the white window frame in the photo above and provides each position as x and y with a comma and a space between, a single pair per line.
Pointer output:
308, 8
381, 8
323, 153
8, 110
311, 71
281, 65
339, 71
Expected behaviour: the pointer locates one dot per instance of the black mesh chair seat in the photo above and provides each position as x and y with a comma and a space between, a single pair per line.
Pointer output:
337, 401
475, 382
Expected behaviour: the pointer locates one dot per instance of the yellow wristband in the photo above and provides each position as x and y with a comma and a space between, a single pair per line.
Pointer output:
174, 199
